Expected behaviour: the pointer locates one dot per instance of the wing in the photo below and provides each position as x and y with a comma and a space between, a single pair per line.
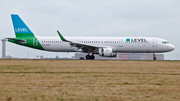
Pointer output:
84, 47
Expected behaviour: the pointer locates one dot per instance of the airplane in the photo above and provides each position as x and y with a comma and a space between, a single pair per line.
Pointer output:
103, 46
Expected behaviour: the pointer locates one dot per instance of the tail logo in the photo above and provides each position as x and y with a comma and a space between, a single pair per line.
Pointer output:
21, 30
35, 42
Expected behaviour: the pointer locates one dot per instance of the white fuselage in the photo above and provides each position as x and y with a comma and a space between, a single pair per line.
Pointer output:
118, 44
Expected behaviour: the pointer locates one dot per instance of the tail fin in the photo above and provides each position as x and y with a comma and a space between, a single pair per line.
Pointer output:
20, 28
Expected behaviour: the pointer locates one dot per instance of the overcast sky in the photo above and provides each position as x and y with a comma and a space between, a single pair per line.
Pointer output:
116, 18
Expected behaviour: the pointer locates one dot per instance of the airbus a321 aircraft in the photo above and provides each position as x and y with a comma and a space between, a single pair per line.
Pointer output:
103, 46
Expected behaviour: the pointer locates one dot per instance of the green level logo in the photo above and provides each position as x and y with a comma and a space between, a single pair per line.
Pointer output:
127, 39
35, 42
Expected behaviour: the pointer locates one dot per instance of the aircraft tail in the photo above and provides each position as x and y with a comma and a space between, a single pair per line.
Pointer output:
20, 28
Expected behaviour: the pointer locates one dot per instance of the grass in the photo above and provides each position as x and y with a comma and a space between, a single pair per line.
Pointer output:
101, 80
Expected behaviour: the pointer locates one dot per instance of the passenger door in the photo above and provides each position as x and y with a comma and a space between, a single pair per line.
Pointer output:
154, 42
120, 42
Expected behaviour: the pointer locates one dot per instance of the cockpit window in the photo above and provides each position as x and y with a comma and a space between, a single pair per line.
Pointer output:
165, 42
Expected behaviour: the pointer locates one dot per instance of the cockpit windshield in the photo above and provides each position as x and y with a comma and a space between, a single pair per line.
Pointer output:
165, 42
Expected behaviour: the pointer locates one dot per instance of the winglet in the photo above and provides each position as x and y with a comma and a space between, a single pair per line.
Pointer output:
62, 38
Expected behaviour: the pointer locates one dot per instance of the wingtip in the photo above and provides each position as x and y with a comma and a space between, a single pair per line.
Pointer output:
58, 32
61, 37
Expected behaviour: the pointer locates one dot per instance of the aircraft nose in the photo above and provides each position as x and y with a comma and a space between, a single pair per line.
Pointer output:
171, 47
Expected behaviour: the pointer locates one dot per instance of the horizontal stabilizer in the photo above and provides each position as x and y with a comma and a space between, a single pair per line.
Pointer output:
18, 40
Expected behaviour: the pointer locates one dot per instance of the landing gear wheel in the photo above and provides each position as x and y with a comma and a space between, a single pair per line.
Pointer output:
154, 58
92, 57
87, 57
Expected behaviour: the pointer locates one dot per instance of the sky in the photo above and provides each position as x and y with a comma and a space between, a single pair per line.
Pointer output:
115, 18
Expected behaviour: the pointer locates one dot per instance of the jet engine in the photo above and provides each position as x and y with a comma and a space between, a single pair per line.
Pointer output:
107, 52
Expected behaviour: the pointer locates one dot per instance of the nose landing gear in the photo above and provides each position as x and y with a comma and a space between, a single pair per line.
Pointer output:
90, 57
154, 57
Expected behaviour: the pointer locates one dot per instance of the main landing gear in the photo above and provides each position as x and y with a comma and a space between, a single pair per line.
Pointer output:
154, 57
90, 57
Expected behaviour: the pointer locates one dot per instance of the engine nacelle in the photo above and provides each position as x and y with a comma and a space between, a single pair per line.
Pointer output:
107, 52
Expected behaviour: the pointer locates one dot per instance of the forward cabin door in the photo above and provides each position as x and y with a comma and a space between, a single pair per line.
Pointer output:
120, 42
154, 42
